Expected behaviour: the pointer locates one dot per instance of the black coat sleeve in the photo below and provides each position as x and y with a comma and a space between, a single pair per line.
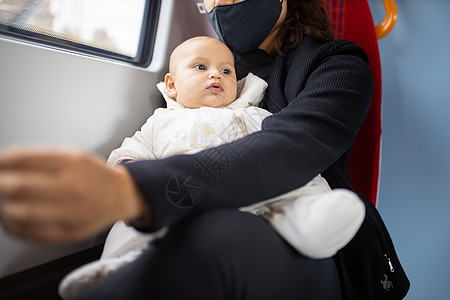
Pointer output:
327, 96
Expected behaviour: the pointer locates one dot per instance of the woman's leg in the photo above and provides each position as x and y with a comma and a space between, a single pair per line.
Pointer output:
224, 254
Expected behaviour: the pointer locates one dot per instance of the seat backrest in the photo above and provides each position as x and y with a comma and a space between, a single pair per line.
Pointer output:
352, 20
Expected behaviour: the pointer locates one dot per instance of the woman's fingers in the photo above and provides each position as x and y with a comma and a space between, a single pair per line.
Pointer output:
34, 158
49, 232
34, 220
17, 184
62, 195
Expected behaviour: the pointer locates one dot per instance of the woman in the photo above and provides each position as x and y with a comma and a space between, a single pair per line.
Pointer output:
319, 91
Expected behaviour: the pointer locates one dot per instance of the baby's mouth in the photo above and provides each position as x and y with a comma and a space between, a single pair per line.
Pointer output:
215, 87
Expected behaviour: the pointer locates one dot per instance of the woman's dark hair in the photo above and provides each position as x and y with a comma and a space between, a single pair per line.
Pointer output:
303, 17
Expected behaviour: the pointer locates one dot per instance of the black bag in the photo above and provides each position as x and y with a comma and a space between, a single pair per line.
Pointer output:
369, 267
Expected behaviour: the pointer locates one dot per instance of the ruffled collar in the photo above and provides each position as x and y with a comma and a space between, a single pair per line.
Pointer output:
250, 93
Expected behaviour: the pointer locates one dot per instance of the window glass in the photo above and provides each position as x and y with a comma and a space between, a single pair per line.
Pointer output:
113, 26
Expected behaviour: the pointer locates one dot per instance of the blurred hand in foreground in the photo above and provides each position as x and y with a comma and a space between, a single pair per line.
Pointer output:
65, 195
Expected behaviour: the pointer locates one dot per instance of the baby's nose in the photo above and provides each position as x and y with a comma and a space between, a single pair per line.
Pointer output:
215, 74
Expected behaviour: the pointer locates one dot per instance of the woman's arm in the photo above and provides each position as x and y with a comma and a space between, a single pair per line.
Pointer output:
328, 98
57, 195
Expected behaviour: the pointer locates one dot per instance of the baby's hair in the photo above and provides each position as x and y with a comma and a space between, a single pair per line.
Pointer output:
184, 44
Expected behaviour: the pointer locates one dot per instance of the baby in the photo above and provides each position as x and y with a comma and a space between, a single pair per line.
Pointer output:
207, 107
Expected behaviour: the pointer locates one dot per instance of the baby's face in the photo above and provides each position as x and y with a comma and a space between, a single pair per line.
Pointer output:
203, 75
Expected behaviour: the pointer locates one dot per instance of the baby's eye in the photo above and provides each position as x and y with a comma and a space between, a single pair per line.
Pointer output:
201, 67
226, 71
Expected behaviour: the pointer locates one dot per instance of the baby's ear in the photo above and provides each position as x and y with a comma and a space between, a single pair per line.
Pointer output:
170, 85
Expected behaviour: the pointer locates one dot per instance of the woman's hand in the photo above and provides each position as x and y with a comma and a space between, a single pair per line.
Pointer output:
63, 195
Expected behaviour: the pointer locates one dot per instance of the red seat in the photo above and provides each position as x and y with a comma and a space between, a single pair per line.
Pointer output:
352, 20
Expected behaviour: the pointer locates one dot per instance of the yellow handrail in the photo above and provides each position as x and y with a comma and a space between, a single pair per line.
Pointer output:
389, 20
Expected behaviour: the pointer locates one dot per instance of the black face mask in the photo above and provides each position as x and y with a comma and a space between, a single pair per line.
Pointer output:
244, 26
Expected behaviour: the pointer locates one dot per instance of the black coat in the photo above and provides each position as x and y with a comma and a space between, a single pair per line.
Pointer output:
319, 94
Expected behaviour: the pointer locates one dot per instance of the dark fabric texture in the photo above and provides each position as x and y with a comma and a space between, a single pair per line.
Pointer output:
211, 257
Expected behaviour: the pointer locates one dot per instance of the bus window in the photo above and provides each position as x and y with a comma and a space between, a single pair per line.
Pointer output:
119, 29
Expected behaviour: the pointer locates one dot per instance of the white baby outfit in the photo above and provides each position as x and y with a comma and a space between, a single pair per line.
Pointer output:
180, 130
314, 219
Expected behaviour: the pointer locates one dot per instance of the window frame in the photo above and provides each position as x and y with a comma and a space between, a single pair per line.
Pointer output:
144, 50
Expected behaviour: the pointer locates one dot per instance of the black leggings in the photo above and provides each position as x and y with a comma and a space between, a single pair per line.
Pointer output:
224, 254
